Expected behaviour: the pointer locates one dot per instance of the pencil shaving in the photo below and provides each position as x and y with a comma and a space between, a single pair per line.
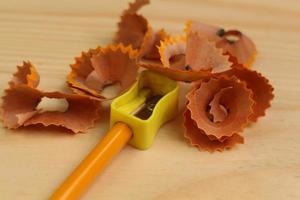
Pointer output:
201, 54
21, 100
25, 75
238, 45
149, 50
199, 139
80, 70
110, 70
136, 5
133, 27
233, 42
259, 85
99, 68
172, 61
204, 30
218, 109
171, 47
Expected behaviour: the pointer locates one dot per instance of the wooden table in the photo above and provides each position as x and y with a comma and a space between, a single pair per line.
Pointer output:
33, 162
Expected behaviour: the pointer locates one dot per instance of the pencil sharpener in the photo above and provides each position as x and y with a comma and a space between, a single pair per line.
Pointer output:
146, 106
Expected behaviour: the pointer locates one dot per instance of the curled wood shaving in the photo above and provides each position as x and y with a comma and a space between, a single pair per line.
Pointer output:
21, 99
102, 67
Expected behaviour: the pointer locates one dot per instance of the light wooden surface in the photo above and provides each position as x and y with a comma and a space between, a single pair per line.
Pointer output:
50, 33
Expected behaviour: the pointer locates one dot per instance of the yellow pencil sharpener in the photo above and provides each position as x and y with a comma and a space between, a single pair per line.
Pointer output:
149, 103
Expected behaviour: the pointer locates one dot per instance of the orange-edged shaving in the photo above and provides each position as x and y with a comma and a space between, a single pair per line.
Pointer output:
149, 52
80, 70
170, 48
260, 86
173, 62
189, 58
233, 42
101, 67
199, 139
21, 100
134, 30
133, 27
219, 108
228, 94
202, 54
205, 30
26, 74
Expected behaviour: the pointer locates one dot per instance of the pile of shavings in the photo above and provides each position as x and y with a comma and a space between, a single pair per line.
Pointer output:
226, 94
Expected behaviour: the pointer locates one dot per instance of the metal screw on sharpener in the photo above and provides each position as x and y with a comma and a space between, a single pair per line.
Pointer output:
156, 98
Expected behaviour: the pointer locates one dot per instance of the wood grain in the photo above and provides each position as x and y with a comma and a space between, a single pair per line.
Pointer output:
51, 33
